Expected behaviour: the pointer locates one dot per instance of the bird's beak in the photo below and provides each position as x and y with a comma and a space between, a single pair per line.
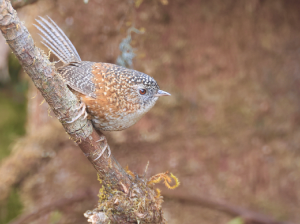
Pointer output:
162, 93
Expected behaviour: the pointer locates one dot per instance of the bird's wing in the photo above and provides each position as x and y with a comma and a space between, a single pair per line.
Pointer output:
78, 76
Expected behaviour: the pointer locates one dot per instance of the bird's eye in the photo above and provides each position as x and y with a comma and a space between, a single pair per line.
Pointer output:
143, 91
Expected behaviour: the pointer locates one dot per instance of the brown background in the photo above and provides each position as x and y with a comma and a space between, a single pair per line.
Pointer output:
229, 131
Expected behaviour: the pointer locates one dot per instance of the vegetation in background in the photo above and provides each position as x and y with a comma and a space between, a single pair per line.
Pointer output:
12, 126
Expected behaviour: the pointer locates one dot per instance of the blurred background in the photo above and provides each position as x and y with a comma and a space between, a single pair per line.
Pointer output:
230, 131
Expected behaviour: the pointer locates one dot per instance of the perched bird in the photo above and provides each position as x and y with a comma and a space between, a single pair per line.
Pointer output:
114, 97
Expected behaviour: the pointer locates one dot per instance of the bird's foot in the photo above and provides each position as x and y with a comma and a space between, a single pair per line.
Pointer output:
106, 146
82, 111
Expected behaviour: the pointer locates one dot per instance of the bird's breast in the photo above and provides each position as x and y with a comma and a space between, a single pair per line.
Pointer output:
115, 106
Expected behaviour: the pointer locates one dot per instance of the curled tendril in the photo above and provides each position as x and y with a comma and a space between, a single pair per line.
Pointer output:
165, 178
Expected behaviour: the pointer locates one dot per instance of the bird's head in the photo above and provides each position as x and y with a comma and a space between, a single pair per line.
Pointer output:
146, 90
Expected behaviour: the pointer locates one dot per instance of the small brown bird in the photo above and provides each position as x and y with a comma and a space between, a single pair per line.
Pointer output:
115, 97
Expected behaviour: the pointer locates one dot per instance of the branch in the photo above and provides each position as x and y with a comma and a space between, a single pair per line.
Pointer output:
65, 106
27, 153
56, 205
20, 3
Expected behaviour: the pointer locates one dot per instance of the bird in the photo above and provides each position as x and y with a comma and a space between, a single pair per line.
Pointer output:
112, 97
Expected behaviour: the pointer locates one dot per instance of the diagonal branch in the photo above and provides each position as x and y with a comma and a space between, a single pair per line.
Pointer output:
56, 205
61, 100
20, 3
65, 107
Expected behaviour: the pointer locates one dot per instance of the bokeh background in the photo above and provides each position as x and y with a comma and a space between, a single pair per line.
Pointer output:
230, 131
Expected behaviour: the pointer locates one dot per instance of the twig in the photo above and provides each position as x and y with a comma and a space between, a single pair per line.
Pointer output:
223, 206
56, 205
20, 3
27, 154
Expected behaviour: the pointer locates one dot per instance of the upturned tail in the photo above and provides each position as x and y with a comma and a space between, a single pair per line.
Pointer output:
57, 41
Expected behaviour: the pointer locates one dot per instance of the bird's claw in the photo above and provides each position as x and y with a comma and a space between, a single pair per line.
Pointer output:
83, 111
106, 146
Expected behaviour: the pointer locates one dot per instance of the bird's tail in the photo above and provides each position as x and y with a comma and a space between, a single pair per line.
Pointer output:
57, 41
